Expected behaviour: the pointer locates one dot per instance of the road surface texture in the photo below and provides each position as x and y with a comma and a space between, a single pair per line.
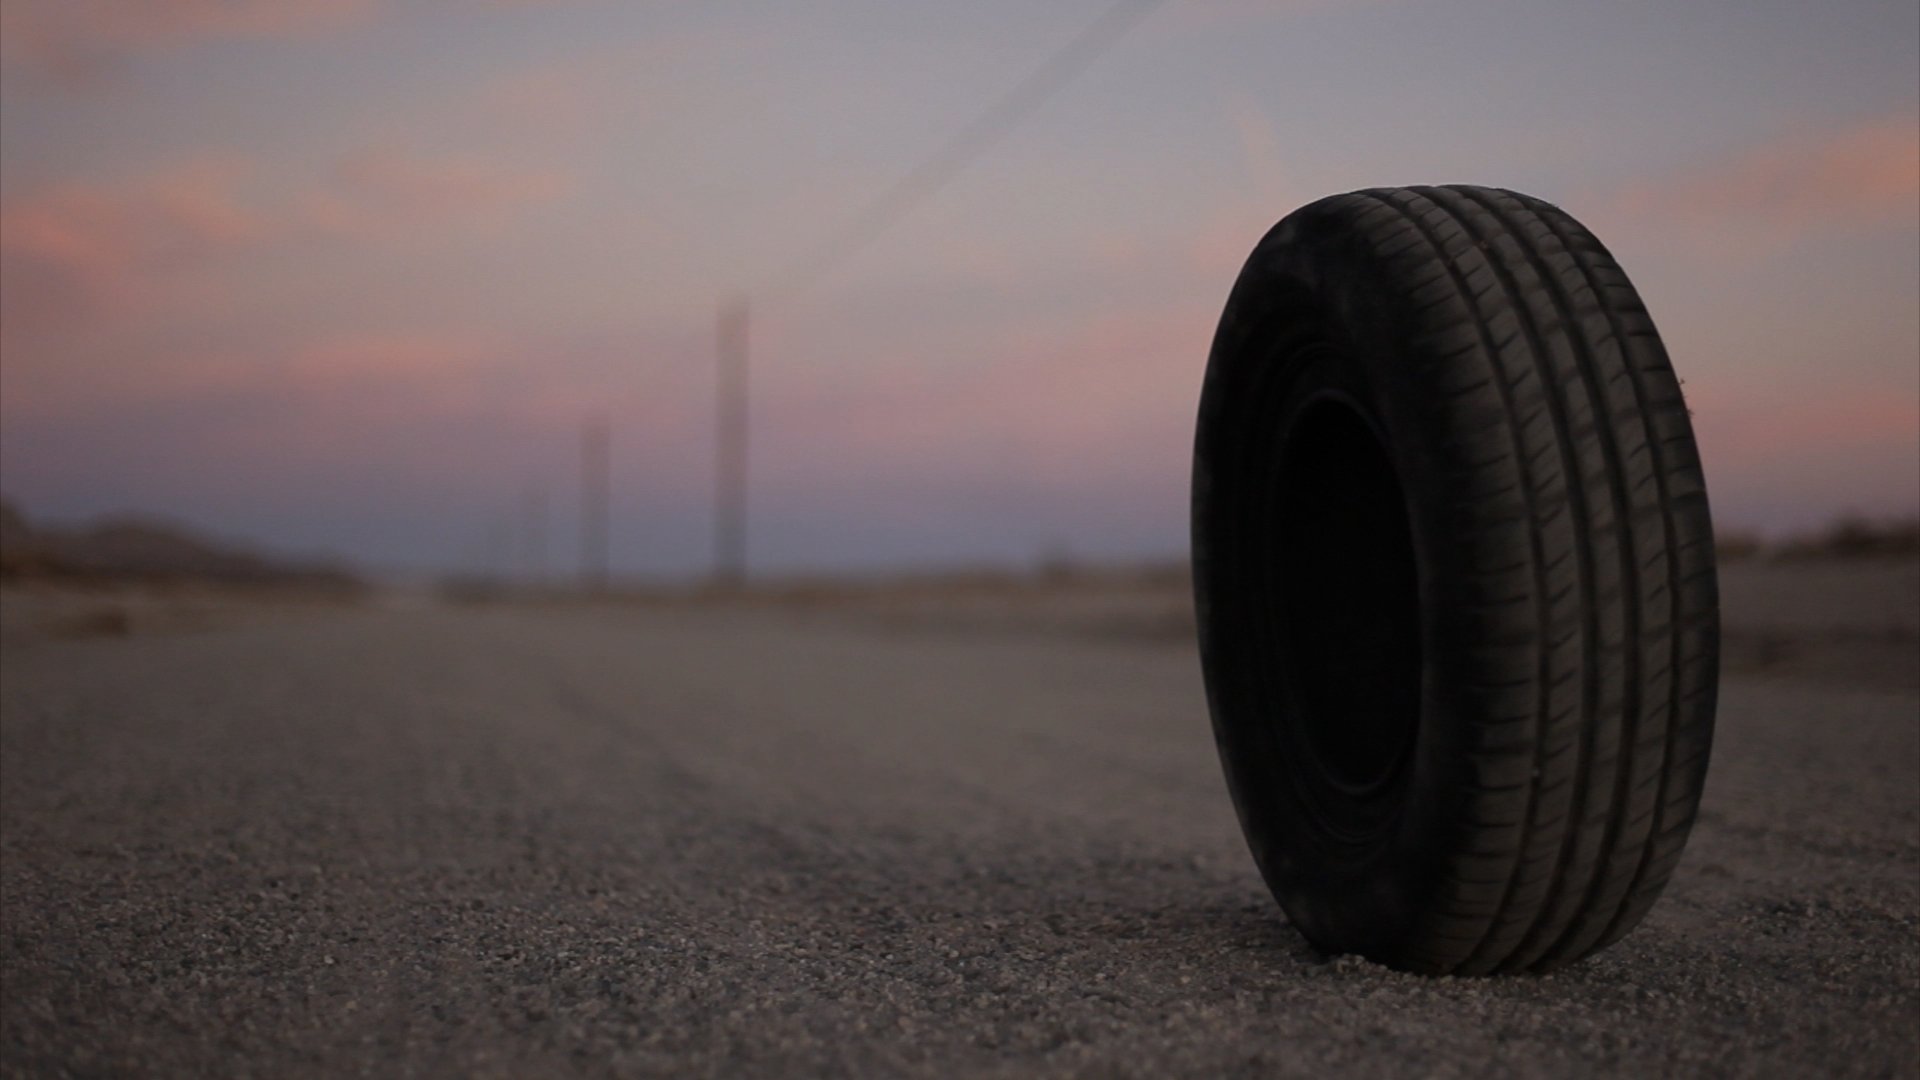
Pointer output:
530, 841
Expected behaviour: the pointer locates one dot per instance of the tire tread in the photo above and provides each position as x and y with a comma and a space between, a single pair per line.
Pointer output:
1605, 467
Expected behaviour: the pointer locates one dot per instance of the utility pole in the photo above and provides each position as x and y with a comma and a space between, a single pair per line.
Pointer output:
730, 449
594, 490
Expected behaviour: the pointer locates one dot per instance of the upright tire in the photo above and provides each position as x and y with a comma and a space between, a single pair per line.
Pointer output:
1455, 580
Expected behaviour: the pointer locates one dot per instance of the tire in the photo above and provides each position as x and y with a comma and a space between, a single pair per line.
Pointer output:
1454, 573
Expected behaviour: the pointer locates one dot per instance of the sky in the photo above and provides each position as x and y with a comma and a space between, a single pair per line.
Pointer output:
348, 277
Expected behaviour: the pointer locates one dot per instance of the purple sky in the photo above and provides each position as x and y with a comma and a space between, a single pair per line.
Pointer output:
348, 276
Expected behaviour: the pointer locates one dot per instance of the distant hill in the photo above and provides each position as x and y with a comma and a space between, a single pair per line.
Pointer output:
135, 549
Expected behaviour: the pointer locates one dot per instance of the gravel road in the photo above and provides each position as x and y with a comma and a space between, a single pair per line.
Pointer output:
537, 841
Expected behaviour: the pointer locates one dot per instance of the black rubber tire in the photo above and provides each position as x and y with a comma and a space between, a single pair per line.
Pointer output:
1455, 580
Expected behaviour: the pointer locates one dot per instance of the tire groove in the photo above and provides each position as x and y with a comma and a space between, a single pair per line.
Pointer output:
1535, 547
1587, 257
1575, 486
1588, 365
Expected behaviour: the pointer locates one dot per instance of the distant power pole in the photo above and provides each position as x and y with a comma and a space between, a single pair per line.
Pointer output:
730, 432
594, 492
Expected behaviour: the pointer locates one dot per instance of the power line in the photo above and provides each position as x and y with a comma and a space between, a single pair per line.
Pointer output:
967, 145
919, 184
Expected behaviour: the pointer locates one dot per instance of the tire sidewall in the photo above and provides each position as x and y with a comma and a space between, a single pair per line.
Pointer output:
1313, 276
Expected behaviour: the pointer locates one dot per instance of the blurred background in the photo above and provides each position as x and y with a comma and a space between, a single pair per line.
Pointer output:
407, 284
378, 308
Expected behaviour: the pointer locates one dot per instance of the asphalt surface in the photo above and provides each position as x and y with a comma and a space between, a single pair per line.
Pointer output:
628, 841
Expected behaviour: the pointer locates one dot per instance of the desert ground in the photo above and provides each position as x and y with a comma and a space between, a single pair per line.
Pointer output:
960, 828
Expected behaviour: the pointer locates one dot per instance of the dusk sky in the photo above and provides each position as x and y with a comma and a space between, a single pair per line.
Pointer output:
347, 276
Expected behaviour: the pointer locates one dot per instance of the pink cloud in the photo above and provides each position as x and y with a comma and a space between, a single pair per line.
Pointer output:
438, 406
1075, 405
71, 249
1763, 424
553, 98
379, 191
1786, 458
1865, 173
75, 39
